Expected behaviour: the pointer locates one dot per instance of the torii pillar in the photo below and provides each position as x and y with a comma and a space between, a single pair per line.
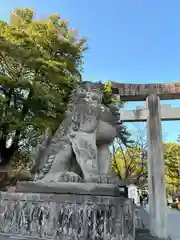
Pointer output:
156, 175
153, 113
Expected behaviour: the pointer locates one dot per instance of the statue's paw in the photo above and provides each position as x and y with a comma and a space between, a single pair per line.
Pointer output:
104, 179
38, 176
100, 179
60, 177
70, 177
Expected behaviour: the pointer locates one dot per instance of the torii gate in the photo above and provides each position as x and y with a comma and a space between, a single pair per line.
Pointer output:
152, 93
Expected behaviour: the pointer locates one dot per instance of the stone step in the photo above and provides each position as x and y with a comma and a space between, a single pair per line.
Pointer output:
144, 234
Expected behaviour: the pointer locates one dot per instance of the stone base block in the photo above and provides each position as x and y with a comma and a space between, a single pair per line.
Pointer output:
66, 217
77, 188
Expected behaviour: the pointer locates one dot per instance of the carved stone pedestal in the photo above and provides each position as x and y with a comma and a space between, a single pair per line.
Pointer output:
66, 216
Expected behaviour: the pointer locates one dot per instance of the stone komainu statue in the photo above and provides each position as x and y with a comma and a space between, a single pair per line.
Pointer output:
79, 148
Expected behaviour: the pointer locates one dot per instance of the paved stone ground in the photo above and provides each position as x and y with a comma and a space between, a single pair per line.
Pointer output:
143, 234
173, 222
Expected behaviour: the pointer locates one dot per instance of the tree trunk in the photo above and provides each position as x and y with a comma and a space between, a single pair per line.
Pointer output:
7, 153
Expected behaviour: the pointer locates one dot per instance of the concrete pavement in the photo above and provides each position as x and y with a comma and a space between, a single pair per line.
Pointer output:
173, 223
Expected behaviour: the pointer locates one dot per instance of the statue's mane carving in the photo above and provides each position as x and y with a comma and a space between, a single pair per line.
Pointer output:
79, 132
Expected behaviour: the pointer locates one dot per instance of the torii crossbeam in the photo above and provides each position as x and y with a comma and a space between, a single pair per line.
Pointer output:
140, 114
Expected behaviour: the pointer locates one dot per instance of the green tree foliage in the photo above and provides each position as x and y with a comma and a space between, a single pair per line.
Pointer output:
130, 161
114, 102
40, 64
172, 166
123, 148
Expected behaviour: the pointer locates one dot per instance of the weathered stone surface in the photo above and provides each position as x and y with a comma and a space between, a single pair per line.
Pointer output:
144, 234
66, 217
79, 148
92, 189
139, 92
142, 218
74, 196
156, 176
140, 114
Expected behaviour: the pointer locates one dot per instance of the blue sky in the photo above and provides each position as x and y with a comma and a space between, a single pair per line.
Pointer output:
130, 41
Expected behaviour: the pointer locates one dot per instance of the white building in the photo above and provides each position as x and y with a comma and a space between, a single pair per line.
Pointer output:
133, 193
